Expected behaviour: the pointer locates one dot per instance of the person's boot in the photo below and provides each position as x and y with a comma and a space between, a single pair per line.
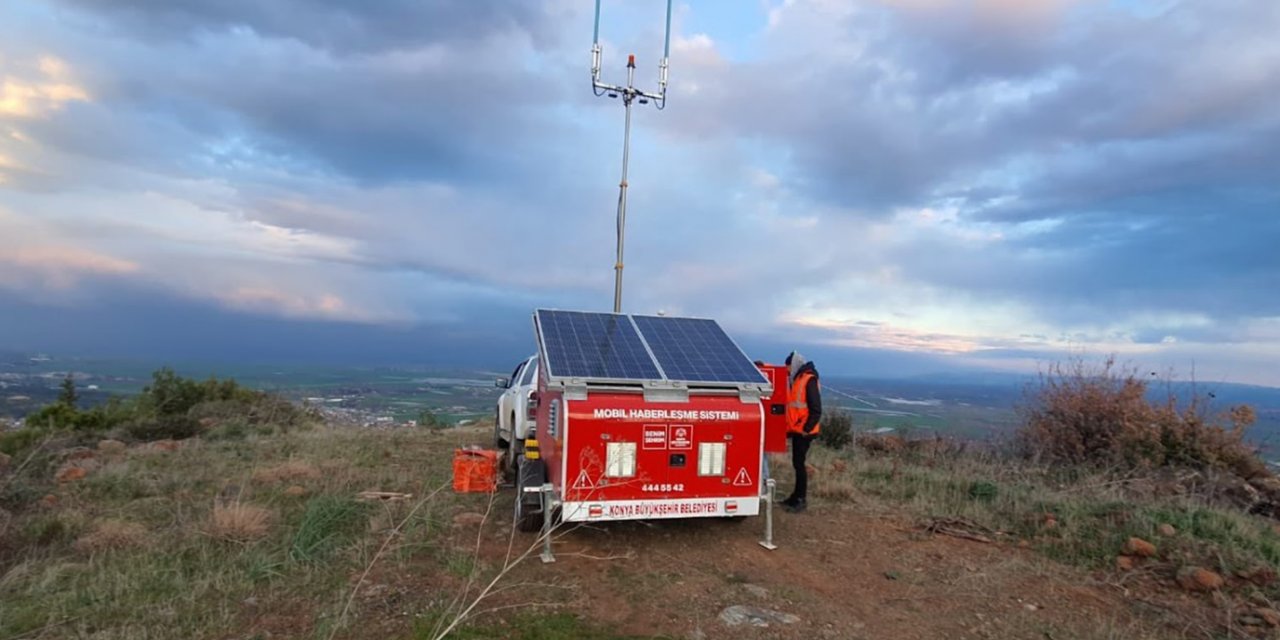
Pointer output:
789, 502
797, 506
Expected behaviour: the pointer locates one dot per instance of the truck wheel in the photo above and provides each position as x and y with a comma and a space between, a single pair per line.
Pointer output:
529, 473
498, 441
508, 461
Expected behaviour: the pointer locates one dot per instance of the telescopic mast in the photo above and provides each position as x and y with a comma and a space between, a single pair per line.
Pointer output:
629, 94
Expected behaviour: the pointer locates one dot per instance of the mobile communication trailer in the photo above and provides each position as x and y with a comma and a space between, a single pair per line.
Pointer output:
645, 417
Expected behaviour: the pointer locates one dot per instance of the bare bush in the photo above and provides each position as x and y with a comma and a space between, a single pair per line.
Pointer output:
1103, 415
916, 449
878, 444
238, 522
292, 471
109, 535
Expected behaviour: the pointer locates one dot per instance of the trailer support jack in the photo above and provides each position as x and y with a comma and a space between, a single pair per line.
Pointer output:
547, 493
767, 543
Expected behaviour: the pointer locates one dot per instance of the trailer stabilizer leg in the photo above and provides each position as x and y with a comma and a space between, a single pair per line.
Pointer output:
548, 497
767, 543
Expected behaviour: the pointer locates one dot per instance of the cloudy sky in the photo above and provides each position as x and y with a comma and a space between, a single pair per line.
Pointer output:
896, 186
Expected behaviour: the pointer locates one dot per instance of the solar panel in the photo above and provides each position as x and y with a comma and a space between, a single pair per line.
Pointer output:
696, 350
594, 345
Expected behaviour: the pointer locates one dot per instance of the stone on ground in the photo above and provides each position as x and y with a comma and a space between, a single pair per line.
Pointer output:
739, 615
1199, 579
469, 518
1139, 547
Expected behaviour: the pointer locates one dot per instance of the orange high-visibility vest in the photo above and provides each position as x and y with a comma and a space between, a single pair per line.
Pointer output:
798, 407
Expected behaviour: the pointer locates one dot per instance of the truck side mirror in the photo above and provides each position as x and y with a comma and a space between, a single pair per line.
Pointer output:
501, 383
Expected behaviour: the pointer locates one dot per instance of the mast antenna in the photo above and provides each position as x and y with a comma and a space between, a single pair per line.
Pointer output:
629, 94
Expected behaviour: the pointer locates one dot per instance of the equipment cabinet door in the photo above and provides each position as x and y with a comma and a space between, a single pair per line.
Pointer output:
619, 447
617, 460
724, 459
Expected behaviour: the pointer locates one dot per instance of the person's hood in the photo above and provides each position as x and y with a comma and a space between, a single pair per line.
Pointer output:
807, 368
797, 363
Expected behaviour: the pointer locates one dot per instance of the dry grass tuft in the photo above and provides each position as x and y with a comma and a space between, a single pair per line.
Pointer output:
829, 475
109, 535
291, 471
238, 522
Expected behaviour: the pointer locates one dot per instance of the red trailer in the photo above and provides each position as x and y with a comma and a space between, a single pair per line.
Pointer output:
646, 417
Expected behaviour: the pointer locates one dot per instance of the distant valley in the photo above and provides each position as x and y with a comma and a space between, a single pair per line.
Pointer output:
977, 407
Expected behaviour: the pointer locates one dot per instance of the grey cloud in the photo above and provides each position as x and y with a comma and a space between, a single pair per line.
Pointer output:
338, 25
1186, 252
906, 105
461, 125
459, 101
1146, 142
133, 322
1130, 161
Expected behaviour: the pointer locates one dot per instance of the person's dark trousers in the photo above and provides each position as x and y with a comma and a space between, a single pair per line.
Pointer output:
799, 451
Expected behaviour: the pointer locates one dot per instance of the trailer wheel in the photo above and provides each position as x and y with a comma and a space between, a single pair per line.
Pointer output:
528, 511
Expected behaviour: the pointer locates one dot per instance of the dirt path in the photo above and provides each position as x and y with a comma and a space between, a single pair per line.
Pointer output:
848, 569
845, 574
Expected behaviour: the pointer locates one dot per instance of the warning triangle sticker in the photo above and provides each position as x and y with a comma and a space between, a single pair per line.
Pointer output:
583, 482
742, 479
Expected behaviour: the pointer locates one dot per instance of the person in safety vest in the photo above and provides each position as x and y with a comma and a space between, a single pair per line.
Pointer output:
804, 411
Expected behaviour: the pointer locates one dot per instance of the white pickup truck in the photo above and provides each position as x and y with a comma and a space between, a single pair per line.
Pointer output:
513, 419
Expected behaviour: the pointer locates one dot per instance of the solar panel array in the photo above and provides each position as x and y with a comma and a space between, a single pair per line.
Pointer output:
610, 346
594, 345
696, 350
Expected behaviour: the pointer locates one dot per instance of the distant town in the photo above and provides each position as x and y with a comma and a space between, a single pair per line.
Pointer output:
349, 396
981, 408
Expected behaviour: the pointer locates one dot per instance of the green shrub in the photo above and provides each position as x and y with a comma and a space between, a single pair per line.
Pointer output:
174, 427
231, 430
430, 420
983, 490
46, 530
171, 407
17, 442
328, 523
67, 395
170, 394
105, 417
18, 493
837, 429
54, 416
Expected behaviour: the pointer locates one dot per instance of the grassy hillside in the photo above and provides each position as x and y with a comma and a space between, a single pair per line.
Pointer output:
264, 536
249, 530
255, 536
